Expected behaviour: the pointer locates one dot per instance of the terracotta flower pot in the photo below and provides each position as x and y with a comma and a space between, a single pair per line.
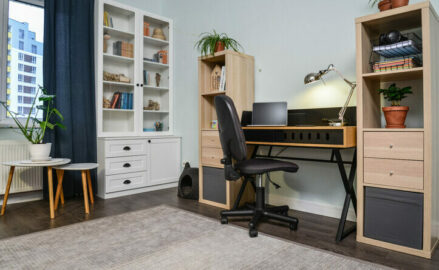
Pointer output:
385, 5
395, 116
399, 3
219, 46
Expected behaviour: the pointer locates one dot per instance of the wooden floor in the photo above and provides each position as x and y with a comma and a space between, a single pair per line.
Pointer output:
314, 230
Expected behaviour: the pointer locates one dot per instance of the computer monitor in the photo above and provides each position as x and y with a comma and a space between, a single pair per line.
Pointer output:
270, 114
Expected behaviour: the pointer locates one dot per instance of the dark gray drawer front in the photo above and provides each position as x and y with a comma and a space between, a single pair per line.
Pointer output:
394, 216
214, 185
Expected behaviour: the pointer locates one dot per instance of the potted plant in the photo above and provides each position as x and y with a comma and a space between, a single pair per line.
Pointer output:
34, 129
383, 5
395, 115
399, 3
210, 43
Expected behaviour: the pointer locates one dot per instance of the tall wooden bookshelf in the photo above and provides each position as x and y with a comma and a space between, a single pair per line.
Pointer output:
399, 164
214, 190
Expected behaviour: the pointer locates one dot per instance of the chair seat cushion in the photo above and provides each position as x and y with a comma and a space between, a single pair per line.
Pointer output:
263, 165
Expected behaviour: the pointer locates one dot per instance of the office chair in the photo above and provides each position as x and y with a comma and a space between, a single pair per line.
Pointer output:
234, 148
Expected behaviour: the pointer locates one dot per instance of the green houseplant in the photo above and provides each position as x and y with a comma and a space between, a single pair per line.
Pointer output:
396, 114
211, 43
34, 129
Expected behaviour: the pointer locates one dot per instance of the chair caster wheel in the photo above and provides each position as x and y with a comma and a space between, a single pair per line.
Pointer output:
253, 233
224, 220
293, 226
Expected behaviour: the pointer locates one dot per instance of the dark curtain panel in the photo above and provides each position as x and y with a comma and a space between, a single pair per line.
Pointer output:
69, 74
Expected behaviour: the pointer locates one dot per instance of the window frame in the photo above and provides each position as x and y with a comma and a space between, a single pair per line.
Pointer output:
4, 16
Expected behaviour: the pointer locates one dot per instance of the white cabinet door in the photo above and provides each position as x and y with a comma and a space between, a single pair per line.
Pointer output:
164, 160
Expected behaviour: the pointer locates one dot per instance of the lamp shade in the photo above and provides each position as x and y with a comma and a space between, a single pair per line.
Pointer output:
312, 77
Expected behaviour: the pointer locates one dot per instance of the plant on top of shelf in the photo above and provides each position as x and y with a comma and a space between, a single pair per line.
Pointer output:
33, 128
395, 115
384, 5
211, 43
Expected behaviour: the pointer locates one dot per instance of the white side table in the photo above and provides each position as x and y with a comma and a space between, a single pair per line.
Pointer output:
27, 163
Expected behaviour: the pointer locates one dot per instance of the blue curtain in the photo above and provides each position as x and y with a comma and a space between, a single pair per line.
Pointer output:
68, 73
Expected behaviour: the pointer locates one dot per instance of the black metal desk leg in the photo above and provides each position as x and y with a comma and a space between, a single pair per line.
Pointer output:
350, 193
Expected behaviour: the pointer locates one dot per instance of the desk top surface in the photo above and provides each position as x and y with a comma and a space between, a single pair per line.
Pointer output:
300, 127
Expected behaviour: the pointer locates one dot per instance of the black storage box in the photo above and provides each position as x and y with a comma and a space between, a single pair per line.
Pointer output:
394, 216
214, 185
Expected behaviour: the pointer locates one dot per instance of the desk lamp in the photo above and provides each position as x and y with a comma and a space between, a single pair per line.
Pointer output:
313, 77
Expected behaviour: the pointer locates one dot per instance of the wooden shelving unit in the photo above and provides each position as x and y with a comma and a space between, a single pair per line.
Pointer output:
214, 190
399, 162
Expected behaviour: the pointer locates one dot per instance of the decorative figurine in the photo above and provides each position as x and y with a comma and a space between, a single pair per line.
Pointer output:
157, 79
158, 34
106, 38
158, 126
215, 78
152, 106
107, 103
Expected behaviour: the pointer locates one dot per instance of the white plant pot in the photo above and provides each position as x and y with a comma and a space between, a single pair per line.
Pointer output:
40, 152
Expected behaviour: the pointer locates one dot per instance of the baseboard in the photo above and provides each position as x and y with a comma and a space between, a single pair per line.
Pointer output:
312, 207
138, 190
23, 197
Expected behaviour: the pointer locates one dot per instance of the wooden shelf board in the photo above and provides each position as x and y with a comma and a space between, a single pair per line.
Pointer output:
155, 64
393, 187
155, 41
215, 93
151, 87
118, 83
393, 129
118, 58
117, 110
397, 75
209, 129
118, 33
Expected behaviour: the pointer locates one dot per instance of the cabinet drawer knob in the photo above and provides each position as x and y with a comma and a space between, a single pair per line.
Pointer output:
127, 148
149, 141
391, 146
127, 182
126, 165
391, 173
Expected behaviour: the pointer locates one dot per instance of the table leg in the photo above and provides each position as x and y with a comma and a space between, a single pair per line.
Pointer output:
84, 187
50, 183
8, 187
59, 191
90, 187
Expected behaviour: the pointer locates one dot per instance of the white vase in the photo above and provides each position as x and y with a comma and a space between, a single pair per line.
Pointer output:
40, 152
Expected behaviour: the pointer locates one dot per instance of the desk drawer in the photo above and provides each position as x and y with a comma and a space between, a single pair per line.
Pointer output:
120, 182
122, 148
210, 139
125, 165
394, 173
397, 145
211, 156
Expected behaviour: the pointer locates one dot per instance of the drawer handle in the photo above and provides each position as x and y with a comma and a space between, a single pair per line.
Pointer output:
126, 165
391, 146
391, 173
127, 182
127, 148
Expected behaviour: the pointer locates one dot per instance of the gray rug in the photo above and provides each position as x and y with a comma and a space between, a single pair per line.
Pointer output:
162, 238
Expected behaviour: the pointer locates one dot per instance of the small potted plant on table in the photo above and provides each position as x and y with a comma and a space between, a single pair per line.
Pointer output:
34, 129
210, 43
395, 115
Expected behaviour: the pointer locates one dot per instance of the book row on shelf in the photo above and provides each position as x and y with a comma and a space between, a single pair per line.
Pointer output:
159, 57
218, 78
122, 48
108, 20
120, 100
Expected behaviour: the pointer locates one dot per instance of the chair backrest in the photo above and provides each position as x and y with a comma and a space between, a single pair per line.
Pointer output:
230, 131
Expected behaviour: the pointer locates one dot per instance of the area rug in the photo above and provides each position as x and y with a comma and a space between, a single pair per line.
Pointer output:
162, 237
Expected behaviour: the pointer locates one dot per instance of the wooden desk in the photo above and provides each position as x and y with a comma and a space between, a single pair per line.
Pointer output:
325, 137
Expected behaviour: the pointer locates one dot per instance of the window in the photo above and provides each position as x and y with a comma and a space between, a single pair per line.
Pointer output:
24, 20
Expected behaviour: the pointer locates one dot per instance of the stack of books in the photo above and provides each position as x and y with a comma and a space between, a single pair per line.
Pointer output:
222, 85
122, 48
396, 64
108, 20
122, 100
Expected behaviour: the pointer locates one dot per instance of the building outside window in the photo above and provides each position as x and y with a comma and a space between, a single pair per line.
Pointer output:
34, 49
20, 77
20, 67
20, 88
21, 45
21, 34
20, 99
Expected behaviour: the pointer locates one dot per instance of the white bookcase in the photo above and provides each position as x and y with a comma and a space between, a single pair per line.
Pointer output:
128, 27
133, 156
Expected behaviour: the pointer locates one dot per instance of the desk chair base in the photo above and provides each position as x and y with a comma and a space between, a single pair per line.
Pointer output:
261, 211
